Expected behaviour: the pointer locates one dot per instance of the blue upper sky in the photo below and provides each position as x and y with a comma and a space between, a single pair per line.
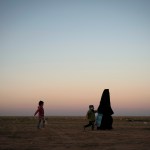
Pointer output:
103, 42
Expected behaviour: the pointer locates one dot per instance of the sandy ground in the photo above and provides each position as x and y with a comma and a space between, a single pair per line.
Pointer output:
61, 133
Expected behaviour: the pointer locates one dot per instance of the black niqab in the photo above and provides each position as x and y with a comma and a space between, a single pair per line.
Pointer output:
105, 106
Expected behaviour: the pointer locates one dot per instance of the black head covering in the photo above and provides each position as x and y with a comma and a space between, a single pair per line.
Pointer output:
105, 106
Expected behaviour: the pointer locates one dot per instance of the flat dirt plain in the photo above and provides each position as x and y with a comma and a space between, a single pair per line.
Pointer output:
61, 133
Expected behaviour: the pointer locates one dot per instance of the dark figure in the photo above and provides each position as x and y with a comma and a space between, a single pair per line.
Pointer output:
40, 112
91, 117
106, 111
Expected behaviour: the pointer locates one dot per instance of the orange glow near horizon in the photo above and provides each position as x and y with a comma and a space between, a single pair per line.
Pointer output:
72, 98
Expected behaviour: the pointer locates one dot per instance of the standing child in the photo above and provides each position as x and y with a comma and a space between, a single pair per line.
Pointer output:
40, 112
91, 117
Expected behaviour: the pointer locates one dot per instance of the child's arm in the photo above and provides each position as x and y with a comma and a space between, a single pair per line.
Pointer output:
87, 115
36, 112
95, 111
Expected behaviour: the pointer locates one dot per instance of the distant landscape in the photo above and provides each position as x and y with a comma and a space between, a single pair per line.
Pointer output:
60, 133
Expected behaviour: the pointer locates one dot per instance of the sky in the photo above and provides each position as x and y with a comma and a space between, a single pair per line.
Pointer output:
66, 52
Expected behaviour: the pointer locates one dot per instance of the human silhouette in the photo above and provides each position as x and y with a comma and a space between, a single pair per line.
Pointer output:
105, 111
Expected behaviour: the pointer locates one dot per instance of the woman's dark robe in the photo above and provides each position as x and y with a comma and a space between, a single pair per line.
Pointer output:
106, 110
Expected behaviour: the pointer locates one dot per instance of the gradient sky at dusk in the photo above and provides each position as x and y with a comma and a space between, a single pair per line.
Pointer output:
66, 52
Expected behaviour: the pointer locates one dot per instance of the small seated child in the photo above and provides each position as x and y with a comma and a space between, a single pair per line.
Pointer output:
99, 120
91, 117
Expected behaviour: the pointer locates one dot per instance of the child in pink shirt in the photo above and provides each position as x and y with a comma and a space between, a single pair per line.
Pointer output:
40, 112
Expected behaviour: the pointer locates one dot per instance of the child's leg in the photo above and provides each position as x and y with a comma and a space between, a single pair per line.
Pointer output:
43, 122
39, 123
88, 125
92, 125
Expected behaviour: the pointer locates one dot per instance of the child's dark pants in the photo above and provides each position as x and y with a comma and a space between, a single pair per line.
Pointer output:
91, 123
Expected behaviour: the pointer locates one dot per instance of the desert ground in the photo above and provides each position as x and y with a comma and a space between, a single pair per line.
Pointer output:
61, 133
